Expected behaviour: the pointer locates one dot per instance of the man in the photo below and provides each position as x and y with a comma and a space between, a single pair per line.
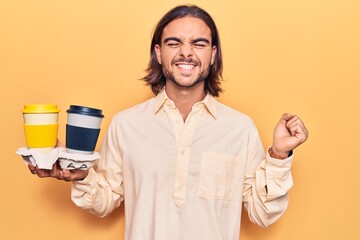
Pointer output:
183, 162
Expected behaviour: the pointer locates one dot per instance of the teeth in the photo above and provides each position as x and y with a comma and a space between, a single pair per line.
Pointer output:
186, 66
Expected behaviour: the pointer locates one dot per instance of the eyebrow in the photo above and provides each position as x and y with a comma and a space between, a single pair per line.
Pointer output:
172, 39
200, 40
193, 41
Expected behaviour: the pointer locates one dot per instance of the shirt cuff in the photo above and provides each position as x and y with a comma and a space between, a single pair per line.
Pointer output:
280, 162
278, 175
83, 190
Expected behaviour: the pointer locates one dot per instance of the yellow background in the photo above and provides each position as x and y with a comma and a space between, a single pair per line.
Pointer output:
280, 56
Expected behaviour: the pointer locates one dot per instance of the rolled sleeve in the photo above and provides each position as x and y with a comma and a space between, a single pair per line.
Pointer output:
278, 176
102, 190
266, 186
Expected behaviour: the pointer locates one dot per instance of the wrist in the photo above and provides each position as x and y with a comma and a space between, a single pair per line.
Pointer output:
274, 153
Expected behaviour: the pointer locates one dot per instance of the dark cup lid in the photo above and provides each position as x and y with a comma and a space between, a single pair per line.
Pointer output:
85, 111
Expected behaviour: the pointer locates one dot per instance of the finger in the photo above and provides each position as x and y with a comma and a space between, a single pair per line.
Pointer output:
294, 130
297, 123
293, 122
60, 174
303, 133
32, 168
42, 173
286, 117
66, 174
299, 132
55, 171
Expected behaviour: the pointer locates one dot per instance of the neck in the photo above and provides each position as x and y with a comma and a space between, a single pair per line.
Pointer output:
185, 98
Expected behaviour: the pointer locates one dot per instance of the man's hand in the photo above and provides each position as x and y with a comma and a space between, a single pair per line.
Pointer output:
57, 172
289, 133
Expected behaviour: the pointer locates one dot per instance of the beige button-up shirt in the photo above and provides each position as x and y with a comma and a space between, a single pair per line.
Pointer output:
184, 180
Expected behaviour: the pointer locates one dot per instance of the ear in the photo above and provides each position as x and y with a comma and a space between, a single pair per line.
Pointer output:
213, 54
158, 53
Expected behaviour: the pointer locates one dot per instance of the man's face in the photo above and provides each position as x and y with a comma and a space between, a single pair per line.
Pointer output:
186, 53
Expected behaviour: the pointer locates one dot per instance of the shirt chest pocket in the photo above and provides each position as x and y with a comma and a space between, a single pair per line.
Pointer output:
218, 174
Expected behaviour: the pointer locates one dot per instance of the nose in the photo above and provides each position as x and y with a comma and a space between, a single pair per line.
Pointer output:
186, 50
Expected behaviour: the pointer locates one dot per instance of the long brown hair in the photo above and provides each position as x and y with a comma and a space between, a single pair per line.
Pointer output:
155, 77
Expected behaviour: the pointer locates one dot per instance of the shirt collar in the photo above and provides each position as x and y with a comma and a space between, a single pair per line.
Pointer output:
160, 99
209, 101
211, 104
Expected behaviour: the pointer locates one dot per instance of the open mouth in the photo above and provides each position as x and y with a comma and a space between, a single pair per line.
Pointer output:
185, 66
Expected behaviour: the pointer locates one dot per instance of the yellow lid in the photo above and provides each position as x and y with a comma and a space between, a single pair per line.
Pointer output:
40, 108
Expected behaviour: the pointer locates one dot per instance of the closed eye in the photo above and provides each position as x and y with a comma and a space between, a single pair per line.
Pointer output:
173, 44
200, 42
199, 45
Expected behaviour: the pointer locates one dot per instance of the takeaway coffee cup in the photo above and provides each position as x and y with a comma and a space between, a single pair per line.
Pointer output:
41, 126
82, 129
